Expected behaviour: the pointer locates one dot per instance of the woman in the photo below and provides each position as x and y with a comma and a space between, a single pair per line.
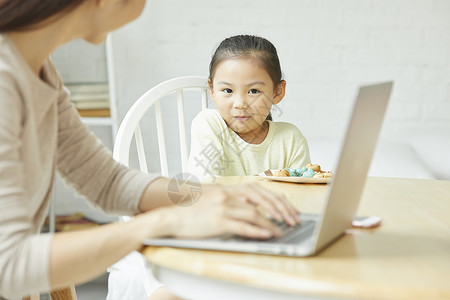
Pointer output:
41, 132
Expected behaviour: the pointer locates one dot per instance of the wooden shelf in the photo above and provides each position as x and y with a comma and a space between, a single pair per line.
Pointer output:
94, 113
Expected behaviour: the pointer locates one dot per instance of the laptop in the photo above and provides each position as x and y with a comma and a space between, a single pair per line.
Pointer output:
317, 231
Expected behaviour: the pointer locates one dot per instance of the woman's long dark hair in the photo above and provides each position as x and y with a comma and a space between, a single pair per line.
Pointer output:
22, 14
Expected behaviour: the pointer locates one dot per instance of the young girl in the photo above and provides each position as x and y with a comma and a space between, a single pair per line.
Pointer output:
41, 132
239, 137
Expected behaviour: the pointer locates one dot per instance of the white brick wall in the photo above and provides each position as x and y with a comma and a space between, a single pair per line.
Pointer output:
327, 49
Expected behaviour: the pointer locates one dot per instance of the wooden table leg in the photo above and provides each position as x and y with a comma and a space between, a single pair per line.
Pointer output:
59, 294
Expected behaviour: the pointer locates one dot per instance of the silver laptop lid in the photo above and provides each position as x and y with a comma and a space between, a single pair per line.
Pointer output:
354, 162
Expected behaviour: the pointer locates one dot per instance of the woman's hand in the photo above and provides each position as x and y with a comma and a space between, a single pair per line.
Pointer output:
234, 209
276, 204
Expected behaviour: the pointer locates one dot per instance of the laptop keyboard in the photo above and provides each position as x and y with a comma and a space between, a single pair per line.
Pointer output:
289, 234
295, 234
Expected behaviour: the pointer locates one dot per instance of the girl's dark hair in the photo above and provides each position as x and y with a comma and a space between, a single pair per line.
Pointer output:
22, 14
253, 47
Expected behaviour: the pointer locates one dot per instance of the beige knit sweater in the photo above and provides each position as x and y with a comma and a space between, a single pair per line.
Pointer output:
40, 132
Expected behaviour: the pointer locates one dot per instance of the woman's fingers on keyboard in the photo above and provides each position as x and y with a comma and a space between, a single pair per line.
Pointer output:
290, 213
257, 198
245, 220
247, 230
248, 214
274, 203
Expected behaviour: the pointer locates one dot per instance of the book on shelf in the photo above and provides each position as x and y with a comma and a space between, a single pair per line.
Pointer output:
90, 99
92, 104
84, 88
98, 113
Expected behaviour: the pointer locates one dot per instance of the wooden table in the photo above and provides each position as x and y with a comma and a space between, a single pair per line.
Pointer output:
407, 257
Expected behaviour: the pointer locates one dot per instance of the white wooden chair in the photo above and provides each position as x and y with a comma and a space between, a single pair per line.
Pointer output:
130, 125
130, 128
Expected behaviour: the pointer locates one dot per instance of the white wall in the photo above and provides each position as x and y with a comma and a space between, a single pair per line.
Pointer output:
327, 49
79, 61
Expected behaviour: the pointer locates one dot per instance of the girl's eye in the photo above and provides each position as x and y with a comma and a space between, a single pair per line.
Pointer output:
227, 91
253, 91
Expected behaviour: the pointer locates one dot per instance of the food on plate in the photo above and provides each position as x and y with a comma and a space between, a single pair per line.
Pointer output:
327, 174
282, 173
309, 171
297, 172
315, 167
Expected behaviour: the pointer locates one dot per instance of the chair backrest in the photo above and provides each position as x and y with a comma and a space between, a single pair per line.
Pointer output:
130, 125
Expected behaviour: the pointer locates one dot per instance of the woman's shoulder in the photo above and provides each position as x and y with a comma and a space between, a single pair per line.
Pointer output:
10, 75
7, 59
13, 65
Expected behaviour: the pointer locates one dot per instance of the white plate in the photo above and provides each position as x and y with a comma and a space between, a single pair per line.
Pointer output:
299, 179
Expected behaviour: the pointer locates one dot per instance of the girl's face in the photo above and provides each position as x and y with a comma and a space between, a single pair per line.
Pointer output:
111, 15
244, 94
